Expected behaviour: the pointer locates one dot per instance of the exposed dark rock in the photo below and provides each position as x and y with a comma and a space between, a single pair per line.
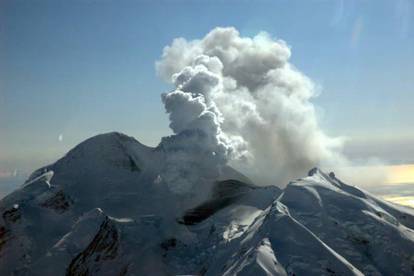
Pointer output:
313, 171
330, 271
4, 237
58, 202
360, 241
12, 215
167, 244
103, 247
132, 165
224, 193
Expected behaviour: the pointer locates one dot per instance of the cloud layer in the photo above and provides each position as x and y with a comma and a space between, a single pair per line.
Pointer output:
250, 104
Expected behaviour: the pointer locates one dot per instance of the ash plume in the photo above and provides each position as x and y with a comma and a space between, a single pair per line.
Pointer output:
249, 103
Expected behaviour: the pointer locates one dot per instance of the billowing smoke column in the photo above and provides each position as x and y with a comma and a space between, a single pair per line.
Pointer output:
238, 100
198, 148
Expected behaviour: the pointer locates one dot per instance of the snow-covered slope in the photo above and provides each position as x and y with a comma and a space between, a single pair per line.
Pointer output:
105, 209
373, 235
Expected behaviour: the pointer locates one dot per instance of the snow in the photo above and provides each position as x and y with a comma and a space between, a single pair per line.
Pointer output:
360, 227
108, 203
46, 177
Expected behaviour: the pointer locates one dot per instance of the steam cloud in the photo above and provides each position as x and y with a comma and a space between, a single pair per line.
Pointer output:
238, 100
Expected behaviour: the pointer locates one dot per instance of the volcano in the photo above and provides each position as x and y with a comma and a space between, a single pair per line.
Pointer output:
105, 209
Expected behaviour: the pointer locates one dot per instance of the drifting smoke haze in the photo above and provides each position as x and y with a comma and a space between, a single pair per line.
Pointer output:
238, 101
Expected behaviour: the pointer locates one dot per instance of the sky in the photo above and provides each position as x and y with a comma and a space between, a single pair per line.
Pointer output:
73, 69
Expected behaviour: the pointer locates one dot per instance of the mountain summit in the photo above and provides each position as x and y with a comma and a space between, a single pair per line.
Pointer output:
106, 209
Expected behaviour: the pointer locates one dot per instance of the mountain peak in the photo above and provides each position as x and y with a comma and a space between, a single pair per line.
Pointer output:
105, 209
107, 143
313, 171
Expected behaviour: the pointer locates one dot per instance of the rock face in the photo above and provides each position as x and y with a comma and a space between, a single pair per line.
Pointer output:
58, 202
104, 247
105, 209
224, 194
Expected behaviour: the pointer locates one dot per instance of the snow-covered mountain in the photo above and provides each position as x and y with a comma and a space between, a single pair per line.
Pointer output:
105, 209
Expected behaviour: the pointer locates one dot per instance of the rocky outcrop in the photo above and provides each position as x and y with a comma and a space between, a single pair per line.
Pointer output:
103, 247
12, 215
5, 235
59, 202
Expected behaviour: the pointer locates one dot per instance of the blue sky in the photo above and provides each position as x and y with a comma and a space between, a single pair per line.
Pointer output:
78, 68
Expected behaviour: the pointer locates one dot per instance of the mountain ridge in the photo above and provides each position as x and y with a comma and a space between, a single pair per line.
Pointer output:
105, 209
